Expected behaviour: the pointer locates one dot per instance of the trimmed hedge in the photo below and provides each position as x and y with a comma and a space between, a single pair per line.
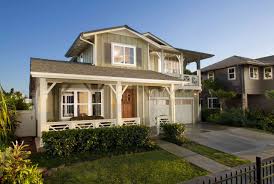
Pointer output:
114, 140
173, 132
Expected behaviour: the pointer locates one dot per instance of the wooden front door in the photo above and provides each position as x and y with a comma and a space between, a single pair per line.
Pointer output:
128, 101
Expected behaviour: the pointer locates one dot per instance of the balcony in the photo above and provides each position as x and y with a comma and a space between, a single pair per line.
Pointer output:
191, 80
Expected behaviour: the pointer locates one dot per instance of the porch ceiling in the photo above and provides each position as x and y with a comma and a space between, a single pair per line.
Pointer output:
67, 71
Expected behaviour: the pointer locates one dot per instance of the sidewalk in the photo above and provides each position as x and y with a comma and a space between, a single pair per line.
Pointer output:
194, 158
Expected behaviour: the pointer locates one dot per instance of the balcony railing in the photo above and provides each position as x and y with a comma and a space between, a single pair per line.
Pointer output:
192, 80
86, 124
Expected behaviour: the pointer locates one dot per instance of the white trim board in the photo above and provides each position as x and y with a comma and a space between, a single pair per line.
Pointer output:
102, 78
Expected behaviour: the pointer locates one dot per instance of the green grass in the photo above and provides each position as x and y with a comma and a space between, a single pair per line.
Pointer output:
218, 156
148, 167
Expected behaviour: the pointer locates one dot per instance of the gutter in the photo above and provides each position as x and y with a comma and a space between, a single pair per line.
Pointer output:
82, 39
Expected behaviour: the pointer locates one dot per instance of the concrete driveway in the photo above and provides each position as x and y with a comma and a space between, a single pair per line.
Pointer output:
242, 142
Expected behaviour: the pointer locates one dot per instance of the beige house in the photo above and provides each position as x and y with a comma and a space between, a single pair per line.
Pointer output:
116, 76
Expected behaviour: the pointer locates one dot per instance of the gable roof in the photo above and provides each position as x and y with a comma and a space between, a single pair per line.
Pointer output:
78, 41
232, 61
149, 37
47, 66
267, 59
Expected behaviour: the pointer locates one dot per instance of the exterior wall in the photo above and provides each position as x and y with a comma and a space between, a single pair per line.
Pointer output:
256, 102
257, 86
87, 55
27, 125
154, 62
104, 49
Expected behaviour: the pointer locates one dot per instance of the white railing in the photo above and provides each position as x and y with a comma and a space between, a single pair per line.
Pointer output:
86, 124
192, 80
159, 120
131, 121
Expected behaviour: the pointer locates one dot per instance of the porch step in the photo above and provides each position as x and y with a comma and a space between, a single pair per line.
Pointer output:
30, 142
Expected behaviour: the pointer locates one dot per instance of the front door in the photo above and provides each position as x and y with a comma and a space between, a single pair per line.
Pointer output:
128, 103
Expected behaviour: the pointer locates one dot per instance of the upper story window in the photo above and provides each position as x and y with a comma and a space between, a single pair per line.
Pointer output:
210, 75
268, 72
253, 72
172, 66
231, 73
122, 54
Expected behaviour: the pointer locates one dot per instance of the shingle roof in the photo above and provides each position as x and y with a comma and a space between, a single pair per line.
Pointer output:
66, 67
267, 59
232, 61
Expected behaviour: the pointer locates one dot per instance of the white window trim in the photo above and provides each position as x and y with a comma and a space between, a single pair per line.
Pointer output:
228, 76
271, 73
253, 78
211, 98
89, 103
208, 75
113, 44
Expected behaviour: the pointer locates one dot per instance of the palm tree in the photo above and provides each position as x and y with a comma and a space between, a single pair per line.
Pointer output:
5, 122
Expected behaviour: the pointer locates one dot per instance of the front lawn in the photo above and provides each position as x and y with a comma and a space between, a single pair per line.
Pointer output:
148, 167
218, 156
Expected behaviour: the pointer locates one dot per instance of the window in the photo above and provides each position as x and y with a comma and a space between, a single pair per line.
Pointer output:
253, 72
268, 72
68, 104
123, 54
172, 66
97, 103
210, 75
231, 73
213, 103
78, 103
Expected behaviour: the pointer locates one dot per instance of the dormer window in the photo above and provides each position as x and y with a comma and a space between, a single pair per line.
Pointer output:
122, 54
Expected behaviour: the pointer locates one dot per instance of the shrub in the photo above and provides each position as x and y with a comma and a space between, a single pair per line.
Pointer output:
17, 168
114, 140
173, 132
207, 112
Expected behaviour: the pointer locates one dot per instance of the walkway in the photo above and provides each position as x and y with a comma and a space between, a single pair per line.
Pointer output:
194, 158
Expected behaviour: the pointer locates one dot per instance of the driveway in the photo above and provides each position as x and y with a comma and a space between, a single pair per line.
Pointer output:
242, 142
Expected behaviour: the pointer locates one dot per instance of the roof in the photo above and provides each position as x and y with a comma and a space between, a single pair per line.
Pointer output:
267, 59
232, 61
65, 67
151, 38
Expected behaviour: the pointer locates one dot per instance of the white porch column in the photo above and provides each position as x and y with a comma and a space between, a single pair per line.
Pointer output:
172, 104
182, 66
42, 104
199, 73
119, 93
162, 62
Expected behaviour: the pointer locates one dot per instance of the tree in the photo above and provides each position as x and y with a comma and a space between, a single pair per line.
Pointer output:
215, 89
269, 94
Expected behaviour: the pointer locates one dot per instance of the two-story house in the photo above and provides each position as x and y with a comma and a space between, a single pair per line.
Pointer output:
250, 78
115, 76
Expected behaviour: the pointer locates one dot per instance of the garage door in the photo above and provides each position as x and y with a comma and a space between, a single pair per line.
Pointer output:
159, 106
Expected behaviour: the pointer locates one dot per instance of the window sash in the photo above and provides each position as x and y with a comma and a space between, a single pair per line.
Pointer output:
210, 75
268, 74
213, 103
254, 72
127, 54
81, 105
231, 73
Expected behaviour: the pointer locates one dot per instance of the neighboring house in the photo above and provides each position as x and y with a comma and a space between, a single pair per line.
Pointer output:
250, 78
118, 74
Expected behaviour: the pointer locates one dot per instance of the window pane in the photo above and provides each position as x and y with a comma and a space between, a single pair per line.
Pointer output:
82, 110
129, 55
96, 97
96, 109
118, 54
82, 97
68, 110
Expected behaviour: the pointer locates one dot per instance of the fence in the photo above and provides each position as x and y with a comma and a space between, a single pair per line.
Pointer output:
261, 172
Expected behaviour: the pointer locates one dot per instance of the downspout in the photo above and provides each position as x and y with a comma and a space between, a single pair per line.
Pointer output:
92, 49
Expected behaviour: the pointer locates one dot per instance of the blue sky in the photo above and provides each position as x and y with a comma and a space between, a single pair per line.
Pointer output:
47, 28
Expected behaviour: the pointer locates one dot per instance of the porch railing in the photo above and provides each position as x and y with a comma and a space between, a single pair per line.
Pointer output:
192, 80
86, 124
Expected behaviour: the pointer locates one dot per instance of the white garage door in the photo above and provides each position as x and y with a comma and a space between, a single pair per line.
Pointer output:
159, 106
